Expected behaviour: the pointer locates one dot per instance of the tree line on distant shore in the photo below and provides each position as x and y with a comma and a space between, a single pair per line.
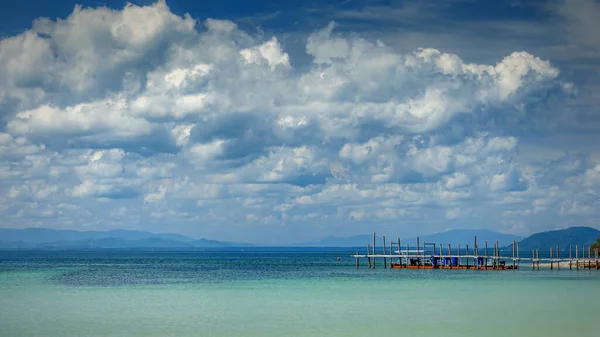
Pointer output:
596, 245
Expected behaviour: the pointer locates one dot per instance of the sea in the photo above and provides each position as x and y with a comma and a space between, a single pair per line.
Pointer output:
282, 292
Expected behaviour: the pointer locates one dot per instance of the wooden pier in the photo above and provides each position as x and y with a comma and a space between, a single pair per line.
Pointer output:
429, 255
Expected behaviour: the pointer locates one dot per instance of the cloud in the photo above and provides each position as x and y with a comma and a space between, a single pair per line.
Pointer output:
202, 124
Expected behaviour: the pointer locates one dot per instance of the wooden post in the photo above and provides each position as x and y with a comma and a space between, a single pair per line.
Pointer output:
384, 258
441, 253
533, 259
538, 259
485, 251
467, 256
400, 251
577, 257
494, 266
357, 259
590, 257
450, 255
513, 254
557, 258
418, 254
497, 256
407, 254
458, 258
392, 253
551, 261
518, 257
369, 255
571, 257
374, 251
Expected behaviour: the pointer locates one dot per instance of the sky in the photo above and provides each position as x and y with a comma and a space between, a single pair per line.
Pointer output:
267, 122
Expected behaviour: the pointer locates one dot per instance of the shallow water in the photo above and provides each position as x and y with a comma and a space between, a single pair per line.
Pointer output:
299, 293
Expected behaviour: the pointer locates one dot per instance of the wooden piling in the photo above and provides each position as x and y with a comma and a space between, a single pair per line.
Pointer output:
400, 251
392, 252
577, 257
374, 259
518, 257
458, 260
450, 255
590, 257
384, 258
467, 256
557, 258
369, 255
485, 252
571, 257
513, 254
497, 256
418, 254
357, 259
551, 261
533, 259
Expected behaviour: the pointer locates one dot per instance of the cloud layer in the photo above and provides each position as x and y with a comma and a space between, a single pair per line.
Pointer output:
140, 118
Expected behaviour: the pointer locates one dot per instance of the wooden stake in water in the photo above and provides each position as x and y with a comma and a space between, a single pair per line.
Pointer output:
418, 254
518, 257
551, 264
513, 254
557, 259
571, 257
485, 254
533, 259
357, 259
577, 257
369, 255
399, 250
450, 256
384, 258
589, 257
497, 256
458, 259
391, 253
467, 256
374, 250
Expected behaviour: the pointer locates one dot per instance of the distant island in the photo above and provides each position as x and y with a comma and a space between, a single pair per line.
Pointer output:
51, 239
44, 238
562, 238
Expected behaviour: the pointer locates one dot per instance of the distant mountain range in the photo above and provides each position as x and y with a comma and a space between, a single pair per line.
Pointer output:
43, 238
562, 238
453, 237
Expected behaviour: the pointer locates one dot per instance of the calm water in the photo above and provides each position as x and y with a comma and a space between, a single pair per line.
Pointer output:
253, 293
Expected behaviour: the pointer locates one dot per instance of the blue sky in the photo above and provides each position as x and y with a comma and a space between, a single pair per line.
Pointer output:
266, 122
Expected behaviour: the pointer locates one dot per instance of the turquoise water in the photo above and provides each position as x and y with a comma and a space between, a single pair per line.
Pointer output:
281, 294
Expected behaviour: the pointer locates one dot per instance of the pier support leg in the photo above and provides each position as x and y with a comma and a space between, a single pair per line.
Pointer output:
374, 251
384, 258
